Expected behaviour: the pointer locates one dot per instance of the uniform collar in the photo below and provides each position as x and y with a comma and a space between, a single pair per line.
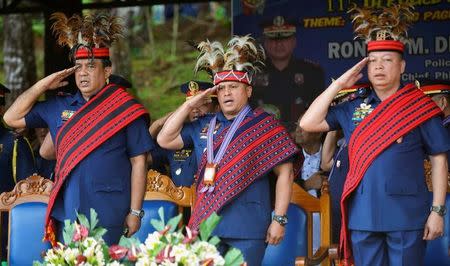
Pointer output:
222, 118
77, 98
372, 97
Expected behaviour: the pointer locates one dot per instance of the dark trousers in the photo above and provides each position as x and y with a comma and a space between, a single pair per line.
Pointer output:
388, 248
252, 249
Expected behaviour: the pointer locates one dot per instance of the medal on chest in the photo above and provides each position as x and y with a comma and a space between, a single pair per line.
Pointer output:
361, 112
66, 115
212, 165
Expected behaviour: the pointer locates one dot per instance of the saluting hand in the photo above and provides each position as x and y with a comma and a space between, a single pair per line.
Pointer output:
201, 98
56, 80
351, 76
275, 233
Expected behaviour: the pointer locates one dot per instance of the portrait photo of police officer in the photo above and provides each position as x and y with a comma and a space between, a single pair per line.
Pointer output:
287, 84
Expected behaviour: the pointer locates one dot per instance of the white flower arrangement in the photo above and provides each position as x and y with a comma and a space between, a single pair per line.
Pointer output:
167, 246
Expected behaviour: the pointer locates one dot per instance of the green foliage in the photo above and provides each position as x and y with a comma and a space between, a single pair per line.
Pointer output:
234, 257
207, 226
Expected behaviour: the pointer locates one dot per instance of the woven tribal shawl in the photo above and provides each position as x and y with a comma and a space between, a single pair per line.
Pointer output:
259, 144
111, 110
393, 118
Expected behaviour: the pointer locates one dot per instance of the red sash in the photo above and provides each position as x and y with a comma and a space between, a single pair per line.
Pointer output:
99, 119
259, 144
393, 118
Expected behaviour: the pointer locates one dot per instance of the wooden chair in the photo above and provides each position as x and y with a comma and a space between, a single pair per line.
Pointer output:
162, 192
26, 205
297, 245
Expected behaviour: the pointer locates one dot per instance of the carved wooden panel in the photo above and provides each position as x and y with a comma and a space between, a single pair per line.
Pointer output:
33, 188
161, 187
427, 166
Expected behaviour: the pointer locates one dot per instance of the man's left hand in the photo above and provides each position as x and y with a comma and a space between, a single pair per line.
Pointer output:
434, 227
133, 223
275, 233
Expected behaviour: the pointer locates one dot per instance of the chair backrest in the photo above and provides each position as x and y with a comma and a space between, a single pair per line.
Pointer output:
297, 245
162, 192
26, 205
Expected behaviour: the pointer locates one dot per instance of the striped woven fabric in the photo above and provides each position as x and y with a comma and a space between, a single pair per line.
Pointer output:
109, 111
259, 144
393, 118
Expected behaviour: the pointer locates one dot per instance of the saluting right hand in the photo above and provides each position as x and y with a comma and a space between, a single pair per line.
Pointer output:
56, 80
351, 76
201, 98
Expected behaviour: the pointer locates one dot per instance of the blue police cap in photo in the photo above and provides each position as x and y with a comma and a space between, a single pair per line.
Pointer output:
193, 87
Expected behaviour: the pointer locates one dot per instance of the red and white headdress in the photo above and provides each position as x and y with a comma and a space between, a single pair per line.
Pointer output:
383, 29
239, 62
89, 36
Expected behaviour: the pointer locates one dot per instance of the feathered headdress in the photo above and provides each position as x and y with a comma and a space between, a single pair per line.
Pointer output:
383, 29
88, 36
239, 62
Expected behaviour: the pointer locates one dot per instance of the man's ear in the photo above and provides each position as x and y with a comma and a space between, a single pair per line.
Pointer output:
249, 91
108, 71
403, 66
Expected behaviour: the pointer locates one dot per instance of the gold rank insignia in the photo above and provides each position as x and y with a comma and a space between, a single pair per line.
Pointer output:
1, 148
361, 112
182, 155
67, 114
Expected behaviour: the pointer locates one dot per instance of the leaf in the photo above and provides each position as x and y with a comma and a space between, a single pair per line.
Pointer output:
83, 221
173, 223
98, 232
129, 241
94, 218
214, 240
208, 225
157, 224
234, 257
161, 214
68, 232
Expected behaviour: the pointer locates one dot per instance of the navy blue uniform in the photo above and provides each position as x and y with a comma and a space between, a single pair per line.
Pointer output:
391, 204
246, 218
10, 173
291, 90
182, 164
102, 180
336, 182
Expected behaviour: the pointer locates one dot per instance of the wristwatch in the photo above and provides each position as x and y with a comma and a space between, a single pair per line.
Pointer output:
138, 213
281, 219
439, 209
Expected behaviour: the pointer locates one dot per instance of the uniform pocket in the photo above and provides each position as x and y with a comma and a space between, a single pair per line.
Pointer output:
401, 188
113, 185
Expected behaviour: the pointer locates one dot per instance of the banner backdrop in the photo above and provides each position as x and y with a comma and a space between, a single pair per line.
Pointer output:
325, 36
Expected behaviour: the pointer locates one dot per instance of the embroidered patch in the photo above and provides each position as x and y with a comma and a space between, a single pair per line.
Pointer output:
204, 130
